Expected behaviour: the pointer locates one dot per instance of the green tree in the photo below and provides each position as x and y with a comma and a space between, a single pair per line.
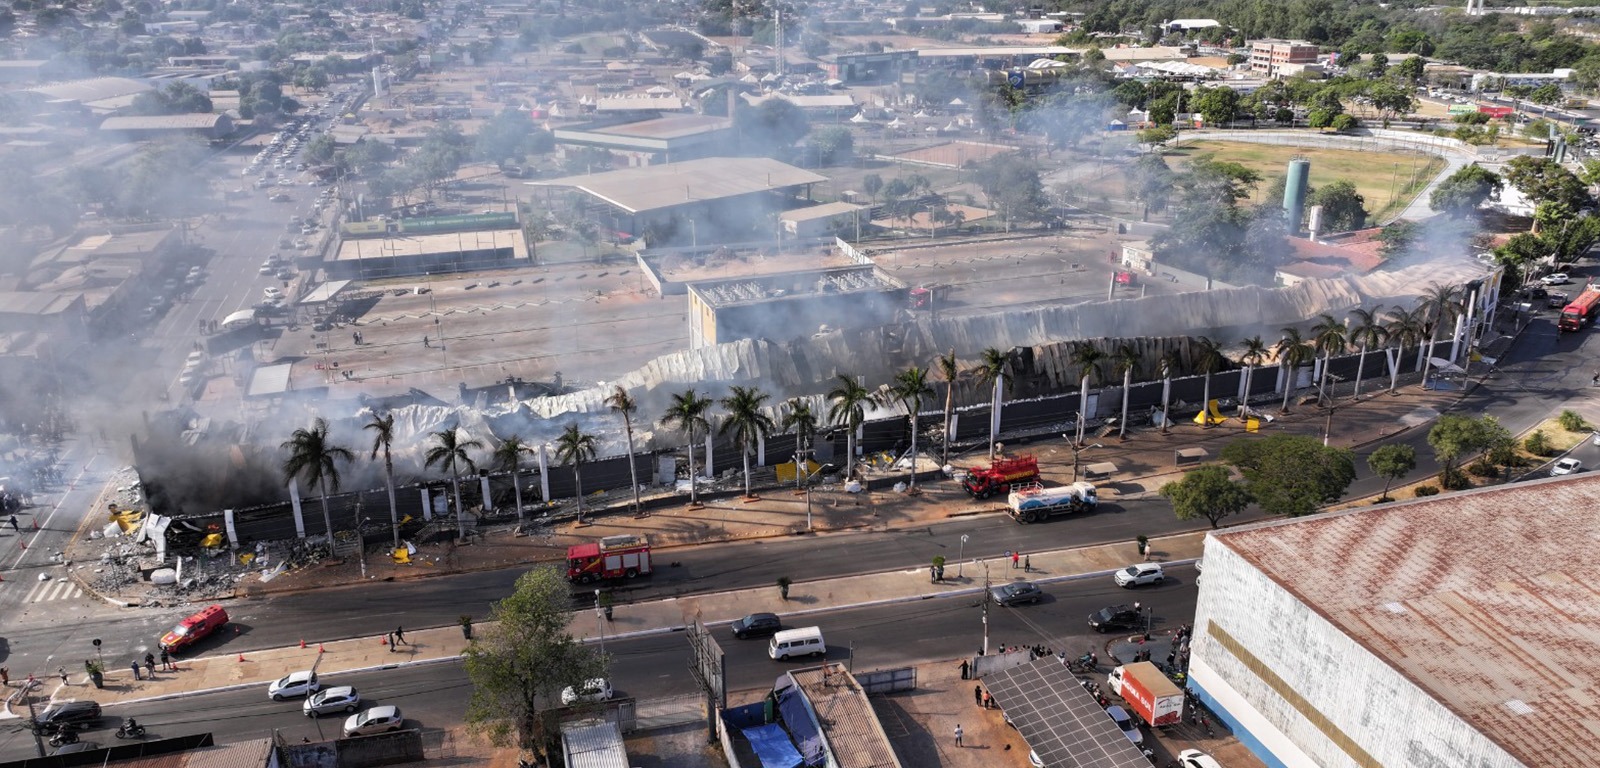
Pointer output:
1327, 336
315, 459
1157, 135
908, 389
1454, 437
1217, 105
1391, 99
622, 404
1392, 462
949, 372
848, 408
449, 451
1291, 475
1292, 352
1089, 361
830, 145
1010, 182
802, 421
506, 136
575, 447
1343, 208
1542, 179
521, 660
688, 414
1548, 94
746, 422
508, 457
770, 128
382, 427
1409, 71
1151, 184
994, 370
1208, 359
872, 184
1208, 492
1343, 122
1460, 195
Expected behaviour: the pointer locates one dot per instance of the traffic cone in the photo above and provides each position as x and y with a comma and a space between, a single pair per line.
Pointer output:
302, 642
23, 543
383, 640
36, 523
320, 649
241, 658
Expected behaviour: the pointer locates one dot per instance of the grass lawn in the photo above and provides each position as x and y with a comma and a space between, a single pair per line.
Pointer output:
1373, 173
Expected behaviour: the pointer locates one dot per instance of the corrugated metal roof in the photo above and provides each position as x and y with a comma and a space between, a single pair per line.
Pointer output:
1485, 599
593, 744
158, 122
655, 187
847, 720
270, 380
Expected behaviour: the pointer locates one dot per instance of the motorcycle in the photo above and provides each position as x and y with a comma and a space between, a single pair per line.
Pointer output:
130, 731
1085, 664
66, 735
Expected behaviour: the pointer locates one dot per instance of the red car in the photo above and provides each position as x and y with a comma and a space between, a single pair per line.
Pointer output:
190, 630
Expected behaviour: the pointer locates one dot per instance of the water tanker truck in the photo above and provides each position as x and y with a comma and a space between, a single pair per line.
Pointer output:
1032, 503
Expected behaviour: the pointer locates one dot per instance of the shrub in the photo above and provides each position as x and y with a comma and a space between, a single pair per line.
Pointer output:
1537, 444
1483, 468
1453, 479
1572, 422
1426, 490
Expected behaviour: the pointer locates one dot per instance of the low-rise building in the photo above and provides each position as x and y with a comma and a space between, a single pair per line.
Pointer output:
1267, 57
791, 304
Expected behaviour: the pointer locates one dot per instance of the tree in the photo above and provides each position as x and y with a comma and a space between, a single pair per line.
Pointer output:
1343, 122
1391, 99
1010, 182
747, 423
1327, 337
1455, 436
1367, 332
316, 460
1548, 94
1465, 191
688, 414
872, 184
1216, 105
621, 403
1255, 353
1207, 492
449, 451
382, 426
1087, 357
908, 389
1292, 352
1343, 209
1157, 135
522, 659
994, 370
949, 372
1543, 180
1409, 71
1152, 184
1291, 475
849, 402
506, 136
1440, 304
1392, 462
830, 145
574, 447
802, 421
770, 128
508, 457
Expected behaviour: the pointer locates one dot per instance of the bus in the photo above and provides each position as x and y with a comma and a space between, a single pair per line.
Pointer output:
1580, 311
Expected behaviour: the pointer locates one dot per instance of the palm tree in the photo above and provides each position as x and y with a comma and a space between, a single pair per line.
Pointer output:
575, 447
450, 453
849, 408
1292, 352
747, 423
1404, 327
994, 369
1368, 332
688, 413
909, 387
1170, 361
1208, 359
1440, 303
1125, 362
621, 402
803, 422
508, 456
1087, 358
312, 457
1327, 336
382, 426
1255, 353
949, 370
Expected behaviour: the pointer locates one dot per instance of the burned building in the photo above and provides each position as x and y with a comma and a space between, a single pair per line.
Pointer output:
792, 304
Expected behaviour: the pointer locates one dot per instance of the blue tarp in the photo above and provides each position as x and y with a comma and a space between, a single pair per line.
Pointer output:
772, 746
795, 713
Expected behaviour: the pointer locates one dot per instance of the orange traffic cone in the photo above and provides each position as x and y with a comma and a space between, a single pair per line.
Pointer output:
23, 543
36, 523
320, 649
302, 642
241, 658
383, 640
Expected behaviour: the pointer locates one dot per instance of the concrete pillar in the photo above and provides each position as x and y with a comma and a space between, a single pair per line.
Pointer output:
710, 472
544, 471
427, 505
294, 502
483, 483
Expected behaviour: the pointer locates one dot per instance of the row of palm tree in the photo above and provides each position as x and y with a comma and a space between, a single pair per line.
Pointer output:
314, 458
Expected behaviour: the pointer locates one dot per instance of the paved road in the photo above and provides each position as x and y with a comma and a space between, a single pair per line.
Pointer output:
434, 696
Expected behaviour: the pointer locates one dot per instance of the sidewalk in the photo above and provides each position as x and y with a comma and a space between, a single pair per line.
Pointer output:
441, 644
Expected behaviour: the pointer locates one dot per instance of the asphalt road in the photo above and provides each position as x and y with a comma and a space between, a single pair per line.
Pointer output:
655, 667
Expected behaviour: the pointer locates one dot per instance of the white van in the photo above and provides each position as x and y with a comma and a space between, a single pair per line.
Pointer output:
805, 641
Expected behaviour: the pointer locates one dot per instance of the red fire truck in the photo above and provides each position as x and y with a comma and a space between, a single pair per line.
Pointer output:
1580, 311
613, 557
1001, 476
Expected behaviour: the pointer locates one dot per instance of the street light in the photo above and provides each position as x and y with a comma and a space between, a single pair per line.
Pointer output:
961, 556
1077, 450
808, 477
1333, 403
600, 621
985, 649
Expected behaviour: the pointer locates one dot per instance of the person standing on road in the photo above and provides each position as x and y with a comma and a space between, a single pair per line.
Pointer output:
958, 735
166, 661
135, 667
14, 527
1015, 557
977, 695
62, 671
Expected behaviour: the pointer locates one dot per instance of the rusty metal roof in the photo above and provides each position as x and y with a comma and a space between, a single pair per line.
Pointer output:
1489, 600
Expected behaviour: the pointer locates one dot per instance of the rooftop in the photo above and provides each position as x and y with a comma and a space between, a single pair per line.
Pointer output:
154, 122
1476, 597
851, 726
824, 211
443, 243
749, 290
93, 89
658, 187
670, 127
36, 303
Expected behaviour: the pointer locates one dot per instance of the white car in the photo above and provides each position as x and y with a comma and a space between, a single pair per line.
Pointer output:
339, 698
195, 358
294, 684
593, 689
267, 268
272, 292
375, 720
1555, 278
1567, 467
1194, 758
1139, 573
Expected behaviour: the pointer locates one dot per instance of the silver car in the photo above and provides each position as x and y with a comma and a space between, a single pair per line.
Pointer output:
339, 698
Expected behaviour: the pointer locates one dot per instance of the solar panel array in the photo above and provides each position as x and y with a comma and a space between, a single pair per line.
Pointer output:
1061, 721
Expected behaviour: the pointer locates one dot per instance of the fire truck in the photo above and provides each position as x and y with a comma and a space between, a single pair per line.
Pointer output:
1580, 311
1001, 476
613, 557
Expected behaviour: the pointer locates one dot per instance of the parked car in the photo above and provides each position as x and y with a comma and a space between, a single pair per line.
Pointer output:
1568, 466
375, 720
339, 698
1555, 278
272, 292
74, 747
280, 198
1015, 593
1116, 617
756, 625
267, 268
63, 713
1556, 300
1194, 758
302, 683
591, 690
1139, 574
1125, 721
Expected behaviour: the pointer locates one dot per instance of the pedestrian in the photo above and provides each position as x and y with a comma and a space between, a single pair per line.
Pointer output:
135, 667
14, 527
62, 671
988, 700
389, 636
1015, 557
1027, 563
150, 666
5, 675
958, 735
400, 635
166, 661
977, 695
425, 342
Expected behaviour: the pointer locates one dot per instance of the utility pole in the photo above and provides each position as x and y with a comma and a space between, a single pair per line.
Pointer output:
985, 608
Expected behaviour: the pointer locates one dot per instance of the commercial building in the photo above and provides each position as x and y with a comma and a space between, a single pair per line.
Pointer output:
396, 254
792, 304
143, 127
1268, 57
652, 141
1452, 630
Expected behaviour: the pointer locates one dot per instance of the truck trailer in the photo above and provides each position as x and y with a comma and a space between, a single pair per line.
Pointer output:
1034, 502
1001, 476
1149, 693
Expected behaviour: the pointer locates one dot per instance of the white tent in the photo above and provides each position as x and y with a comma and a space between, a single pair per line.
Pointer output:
659, 90
957, 103
859, 118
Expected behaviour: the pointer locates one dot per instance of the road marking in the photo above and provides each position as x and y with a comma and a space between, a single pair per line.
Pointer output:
56, 589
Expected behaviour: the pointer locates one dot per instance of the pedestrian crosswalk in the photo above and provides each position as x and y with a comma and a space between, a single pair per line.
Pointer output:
55, 589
